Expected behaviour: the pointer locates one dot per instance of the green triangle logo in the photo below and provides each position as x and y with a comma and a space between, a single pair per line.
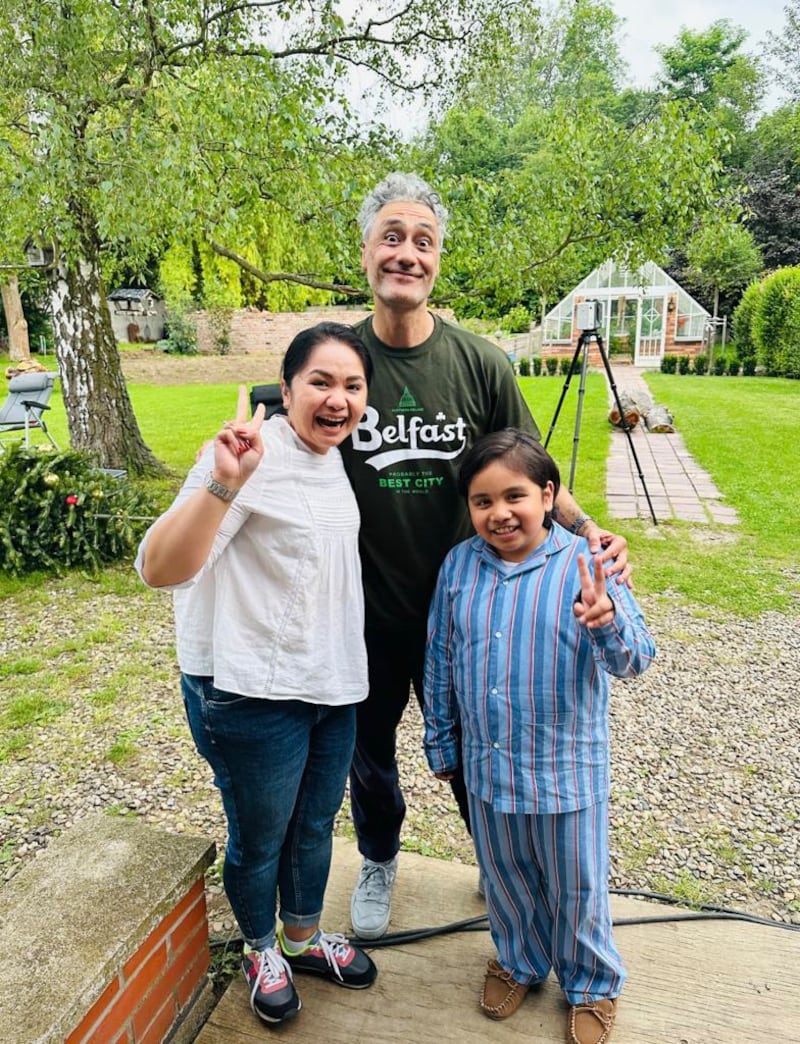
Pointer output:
407, 403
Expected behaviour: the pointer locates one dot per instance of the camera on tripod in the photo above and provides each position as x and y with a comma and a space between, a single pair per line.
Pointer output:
589, 315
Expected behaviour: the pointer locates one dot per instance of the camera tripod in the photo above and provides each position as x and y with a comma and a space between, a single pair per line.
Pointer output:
584, 343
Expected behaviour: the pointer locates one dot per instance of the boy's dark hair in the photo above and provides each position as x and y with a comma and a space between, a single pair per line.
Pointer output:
518, 450
304, 343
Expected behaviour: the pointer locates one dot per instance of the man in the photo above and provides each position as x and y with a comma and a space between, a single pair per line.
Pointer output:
436, 389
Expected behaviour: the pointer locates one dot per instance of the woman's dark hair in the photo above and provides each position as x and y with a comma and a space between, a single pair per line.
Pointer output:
518, 450
304, 343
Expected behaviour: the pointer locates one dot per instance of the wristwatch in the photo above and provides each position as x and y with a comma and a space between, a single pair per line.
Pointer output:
219, 490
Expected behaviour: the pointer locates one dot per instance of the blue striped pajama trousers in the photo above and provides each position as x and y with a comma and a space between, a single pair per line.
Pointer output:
546, 882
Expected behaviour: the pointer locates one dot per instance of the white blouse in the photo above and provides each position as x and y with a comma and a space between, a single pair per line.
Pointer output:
277, 611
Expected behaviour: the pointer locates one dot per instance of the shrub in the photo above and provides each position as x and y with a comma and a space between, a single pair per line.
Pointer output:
518, 320
551, 362
733, 366
180, 334
620, 344
684, 364
749, 367
564, 364
537, 365
720, 365
669, 364
742, 321
524, 367
700, 364
62, 511
776, 324
219, 319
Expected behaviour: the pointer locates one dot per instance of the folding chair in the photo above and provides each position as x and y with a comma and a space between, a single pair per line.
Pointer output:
269, 395
28, 394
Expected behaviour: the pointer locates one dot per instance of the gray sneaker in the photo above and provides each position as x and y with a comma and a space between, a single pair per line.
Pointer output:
371, 905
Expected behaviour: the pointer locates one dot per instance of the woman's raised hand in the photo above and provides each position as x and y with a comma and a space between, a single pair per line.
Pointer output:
238, 447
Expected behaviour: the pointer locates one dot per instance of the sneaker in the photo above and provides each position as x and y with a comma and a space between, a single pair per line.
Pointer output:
332, 956
371, 904
591, 1023
272, 994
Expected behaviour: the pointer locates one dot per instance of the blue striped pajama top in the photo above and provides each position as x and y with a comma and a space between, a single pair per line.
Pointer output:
509, 664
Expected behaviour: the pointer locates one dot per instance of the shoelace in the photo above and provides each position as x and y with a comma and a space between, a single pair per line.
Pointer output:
270, 970
333, 946
368, 874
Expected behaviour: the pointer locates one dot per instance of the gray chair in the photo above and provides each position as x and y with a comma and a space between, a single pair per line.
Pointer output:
23, 411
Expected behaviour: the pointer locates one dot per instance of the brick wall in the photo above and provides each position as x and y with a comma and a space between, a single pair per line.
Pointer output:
255, 331
156, 983
105, 937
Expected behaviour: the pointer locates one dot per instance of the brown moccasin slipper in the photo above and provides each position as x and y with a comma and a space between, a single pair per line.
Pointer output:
501, 995
591, 1023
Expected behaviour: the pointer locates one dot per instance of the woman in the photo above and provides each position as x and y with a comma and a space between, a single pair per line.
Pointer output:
261, 550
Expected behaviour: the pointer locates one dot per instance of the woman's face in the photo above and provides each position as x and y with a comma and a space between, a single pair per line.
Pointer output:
327, 397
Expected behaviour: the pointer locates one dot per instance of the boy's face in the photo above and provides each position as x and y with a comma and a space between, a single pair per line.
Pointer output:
508, 509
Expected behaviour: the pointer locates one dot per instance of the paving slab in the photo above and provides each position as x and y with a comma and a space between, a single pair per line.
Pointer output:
679, 489
696, 982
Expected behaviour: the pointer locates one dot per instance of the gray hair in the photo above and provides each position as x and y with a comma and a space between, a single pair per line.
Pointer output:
408, 188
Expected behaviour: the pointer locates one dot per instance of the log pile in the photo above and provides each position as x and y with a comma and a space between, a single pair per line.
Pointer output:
641, 407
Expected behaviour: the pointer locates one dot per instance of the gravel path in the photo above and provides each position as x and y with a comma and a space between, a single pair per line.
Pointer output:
706, 759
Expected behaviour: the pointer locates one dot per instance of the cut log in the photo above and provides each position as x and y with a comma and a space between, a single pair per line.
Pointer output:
659, 419
630, 412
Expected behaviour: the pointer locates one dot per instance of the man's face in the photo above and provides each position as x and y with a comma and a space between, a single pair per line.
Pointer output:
401, 255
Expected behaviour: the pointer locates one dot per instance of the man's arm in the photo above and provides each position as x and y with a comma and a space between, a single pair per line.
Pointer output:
614, 548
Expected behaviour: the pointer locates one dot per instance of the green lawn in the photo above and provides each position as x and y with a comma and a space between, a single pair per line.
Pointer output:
743, 431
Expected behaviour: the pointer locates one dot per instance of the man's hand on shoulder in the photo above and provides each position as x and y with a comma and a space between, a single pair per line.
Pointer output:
612, 548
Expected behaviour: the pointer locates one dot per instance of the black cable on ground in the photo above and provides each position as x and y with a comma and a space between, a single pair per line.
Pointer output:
704, 912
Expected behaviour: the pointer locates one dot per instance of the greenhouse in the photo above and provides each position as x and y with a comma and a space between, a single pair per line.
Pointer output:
645, 313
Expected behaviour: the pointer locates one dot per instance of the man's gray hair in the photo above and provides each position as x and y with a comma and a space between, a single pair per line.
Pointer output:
407, 188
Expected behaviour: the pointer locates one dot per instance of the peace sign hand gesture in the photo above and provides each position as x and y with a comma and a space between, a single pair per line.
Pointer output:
238, 448
595, 609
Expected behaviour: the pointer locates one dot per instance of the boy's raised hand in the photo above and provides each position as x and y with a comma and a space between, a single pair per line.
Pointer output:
238, 447
595, 608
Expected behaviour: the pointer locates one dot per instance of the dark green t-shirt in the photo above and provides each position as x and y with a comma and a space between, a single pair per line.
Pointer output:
427, 406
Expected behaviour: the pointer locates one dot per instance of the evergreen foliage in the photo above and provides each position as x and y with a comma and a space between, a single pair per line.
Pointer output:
742, 321
776, 324
63, 512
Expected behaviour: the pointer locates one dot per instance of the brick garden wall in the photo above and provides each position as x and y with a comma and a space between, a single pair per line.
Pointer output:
254, 331
153, 987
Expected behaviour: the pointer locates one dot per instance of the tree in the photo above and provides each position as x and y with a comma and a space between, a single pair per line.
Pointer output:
128, 125
709, 68
772, 180
18, 346
783, 48
584, 188
549, 169
722, 256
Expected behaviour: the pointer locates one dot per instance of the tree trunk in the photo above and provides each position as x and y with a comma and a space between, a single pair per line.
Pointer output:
18, 346
99, 412
712, 340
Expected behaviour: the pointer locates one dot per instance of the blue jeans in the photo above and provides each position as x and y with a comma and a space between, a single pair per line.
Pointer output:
281, 768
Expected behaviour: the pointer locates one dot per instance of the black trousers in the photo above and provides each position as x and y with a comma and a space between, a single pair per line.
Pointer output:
396, 659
